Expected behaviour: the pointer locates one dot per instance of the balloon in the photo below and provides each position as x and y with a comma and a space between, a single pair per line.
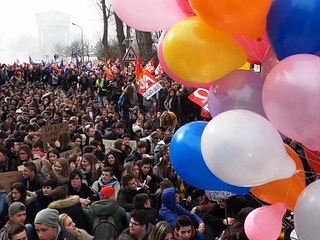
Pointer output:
198, 53
146, 15
168, 71
306, 214
269, 62
186, 8
236, 147
291, 99
292, 27
313, 158
256, 48
185, 154
234, 16
285, 190
265, 223
239, 89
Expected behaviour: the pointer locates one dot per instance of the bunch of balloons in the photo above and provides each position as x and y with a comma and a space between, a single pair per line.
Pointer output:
203, 44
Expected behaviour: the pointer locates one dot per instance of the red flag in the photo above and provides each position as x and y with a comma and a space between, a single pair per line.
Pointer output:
150, 66
108, 63
159, 70
138, 69
148, 85
107, 73
114, 68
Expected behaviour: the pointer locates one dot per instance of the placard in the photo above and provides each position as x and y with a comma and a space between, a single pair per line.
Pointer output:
9, 178
49, 133
108, 144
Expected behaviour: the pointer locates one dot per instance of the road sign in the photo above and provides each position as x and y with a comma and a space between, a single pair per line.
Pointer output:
130, 56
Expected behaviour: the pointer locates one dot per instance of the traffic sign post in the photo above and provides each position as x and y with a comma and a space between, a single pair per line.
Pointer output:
130, 56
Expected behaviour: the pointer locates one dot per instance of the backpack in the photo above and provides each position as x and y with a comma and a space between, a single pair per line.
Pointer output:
121, 102
104, 228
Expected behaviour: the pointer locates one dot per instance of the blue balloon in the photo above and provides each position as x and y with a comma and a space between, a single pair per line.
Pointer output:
186, 158
293, 27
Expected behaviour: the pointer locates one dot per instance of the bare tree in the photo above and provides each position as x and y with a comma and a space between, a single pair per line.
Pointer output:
120, 34
144, 40
106, 13
60, 49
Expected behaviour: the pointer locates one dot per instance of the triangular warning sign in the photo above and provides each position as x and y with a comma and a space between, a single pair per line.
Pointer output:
130, 56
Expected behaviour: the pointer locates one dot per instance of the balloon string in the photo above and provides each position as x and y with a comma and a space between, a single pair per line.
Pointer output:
285, 221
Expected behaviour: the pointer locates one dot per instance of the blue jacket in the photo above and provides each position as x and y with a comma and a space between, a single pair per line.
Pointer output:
170, 211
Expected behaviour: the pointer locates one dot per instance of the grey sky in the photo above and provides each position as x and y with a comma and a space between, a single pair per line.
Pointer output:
18, 23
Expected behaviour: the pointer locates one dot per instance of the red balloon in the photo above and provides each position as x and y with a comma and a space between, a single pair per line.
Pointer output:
186, 8
256, 48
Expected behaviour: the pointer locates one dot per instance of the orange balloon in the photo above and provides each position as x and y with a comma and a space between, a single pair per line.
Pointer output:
287, 190
234, 16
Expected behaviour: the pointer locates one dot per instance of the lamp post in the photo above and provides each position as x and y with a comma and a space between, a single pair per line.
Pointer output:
82, 51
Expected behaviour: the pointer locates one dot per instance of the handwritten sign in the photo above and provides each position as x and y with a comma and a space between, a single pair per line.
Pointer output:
9, 178
49, 133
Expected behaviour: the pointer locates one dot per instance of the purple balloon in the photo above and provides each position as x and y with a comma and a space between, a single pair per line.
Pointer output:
239, 89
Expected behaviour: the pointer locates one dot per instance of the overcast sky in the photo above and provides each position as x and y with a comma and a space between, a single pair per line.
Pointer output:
17, 19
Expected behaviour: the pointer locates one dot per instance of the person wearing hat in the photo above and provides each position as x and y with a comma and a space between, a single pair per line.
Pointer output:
48, 227
17, 215
108, 206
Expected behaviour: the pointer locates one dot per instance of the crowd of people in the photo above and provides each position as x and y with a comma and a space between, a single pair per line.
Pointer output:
127, 191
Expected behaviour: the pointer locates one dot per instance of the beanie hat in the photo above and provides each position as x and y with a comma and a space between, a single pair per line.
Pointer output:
49, 217
15, 208
107, 192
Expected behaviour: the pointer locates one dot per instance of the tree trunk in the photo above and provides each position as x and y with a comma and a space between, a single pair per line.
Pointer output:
120, 34
105, 28
144, 41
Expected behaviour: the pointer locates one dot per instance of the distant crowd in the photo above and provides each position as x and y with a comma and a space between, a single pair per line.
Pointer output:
108, 175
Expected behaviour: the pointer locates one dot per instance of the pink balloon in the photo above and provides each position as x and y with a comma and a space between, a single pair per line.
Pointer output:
147, 15
291, 99
239, 89
265, 223
256, 48
169, 72
186, 8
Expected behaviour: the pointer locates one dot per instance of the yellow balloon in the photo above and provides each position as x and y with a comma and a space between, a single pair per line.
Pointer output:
198, 53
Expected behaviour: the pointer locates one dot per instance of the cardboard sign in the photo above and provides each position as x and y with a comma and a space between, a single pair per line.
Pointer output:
218, 195
108, 144
148, 85
130, 55
9, 178
200, 97
49, 133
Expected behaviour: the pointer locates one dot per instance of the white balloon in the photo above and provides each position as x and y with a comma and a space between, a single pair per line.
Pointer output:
307, 213
242, 148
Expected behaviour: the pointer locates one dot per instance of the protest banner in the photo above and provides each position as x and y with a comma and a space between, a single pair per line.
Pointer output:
49, 133
9, 178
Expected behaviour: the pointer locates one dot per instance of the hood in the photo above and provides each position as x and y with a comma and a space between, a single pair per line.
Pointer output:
169, 198
113, 181
104, 207
65, 203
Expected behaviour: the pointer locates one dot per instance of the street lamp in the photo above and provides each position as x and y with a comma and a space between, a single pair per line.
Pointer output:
82, 51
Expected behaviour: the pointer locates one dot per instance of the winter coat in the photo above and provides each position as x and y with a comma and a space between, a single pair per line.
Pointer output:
108, 207
71, 206
170, 211
125, 198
